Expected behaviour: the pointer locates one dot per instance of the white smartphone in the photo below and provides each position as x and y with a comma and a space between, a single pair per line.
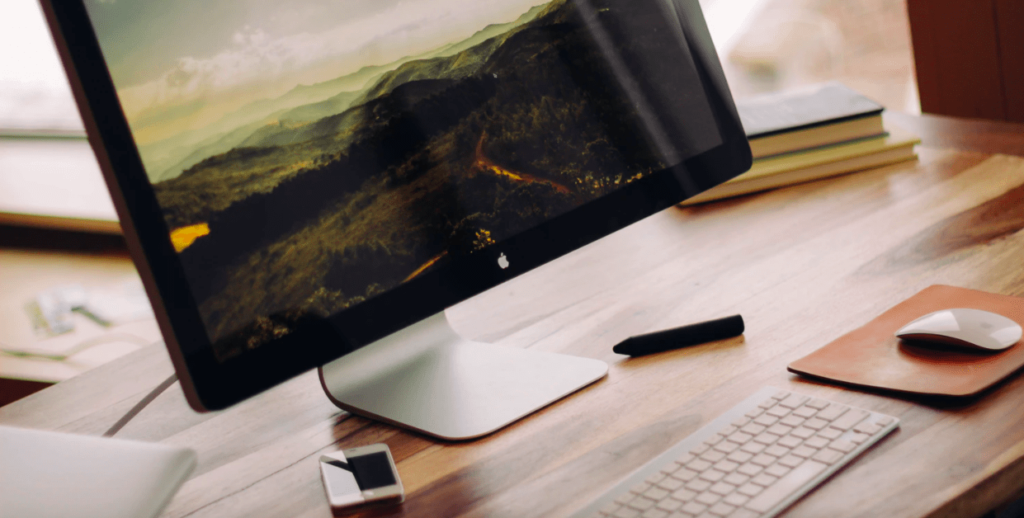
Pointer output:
359, 477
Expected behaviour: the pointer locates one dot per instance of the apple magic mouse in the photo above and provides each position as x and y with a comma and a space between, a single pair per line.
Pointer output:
971, 328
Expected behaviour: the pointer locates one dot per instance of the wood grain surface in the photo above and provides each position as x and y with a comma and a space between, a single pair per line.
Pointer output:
803, 265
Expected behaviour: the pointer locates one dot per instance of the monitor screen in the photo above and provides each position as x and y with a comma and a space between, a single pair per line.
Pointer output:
309, 160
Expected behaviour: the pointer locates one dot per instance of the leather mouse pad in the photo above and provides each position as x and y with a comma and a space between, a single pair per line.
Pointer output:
872, 356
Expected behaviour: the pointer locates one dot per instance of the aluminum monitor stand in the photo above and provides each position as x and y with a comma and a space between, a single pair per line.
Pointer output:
428, 378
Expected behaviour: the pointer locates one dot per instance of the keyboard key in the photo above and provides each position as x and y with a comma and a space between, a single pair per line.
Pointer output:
765, 420
849, 419
750, 489
728, 430
766, 438
868, 428
802, 432
749, 469
816, 442
712, 475
830, 433
685, 458
753, 447
804, 452
726, 447
832, 412
655, 478
741, 422
794, 420
670, 484
754, 412
685, 474
722, 488
763, 460
778, 411
726, 466
858, 438
777, 470
780, 429
793, 401
736, 479
804, 411
740, 456
669, 504
699, 450
884, 420
753, 428
714, 439
641, 503
740, 437
815, 424
736, 499
654, 513
708, 498
785, 486
827, 456
842, 445
625, 497
712, 456
781, 394
693, 508
721, 509
684, 495
776, 450
698, 485
817, 403
656, 493
789, 441
640, 488
790, 461
763, 480
698, 465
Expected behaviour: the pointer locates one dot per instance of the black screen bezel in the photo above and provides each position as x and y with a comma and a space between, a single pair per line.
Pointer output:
210, 384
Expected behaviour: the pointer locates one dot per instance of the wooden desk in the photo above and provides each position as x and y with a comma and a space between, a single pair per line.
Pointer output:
803, 265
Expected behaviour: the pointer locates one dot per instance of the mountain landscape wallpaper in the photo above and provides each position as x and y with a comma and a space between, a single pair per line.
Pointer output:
306, 168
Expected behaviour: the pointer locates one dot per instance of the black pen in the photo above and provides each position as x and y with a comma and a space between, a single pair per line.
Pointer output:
680, 337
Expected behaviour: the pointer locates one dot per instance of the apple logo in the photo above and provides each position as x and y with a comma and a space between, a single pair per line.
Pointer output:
503, 261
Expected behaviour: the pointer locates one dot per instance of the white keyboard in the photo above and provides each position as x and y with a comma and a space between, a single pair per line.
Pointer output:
753, 461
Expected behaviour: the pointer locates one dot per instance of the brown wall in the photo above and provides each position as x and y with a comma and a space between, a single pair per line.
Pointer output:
970, 57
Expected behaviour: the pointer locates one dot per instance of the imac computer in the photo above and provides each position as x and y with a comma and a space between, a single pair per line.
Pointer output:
310, 184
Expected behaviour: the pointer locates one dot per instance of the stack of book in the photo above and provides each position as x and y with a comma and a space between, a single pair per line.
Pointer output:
812, 133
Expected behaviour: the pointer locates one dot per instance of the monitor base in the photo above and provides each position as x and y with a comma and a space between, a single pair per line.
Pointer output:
428, 378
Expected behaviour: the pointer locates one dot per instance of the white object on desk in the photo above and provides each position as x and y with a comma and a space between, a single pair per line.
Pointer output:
48, 474
964, 327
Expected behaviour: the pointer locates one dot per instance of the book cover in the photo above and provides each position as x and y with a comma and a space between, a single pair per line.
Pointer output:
818, 105
794, 168
817, 136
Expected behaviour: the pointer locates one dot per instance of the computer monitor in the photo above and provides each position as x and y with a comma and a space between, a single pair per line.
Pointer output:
310, 184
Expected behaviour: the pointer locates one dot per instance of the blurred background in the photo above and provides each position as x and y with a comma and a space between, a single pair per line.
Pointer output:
772, 45
765, 46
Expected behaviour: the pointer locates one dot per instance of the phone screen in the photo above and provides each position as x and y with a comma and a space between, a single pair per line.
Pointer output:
372, 471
